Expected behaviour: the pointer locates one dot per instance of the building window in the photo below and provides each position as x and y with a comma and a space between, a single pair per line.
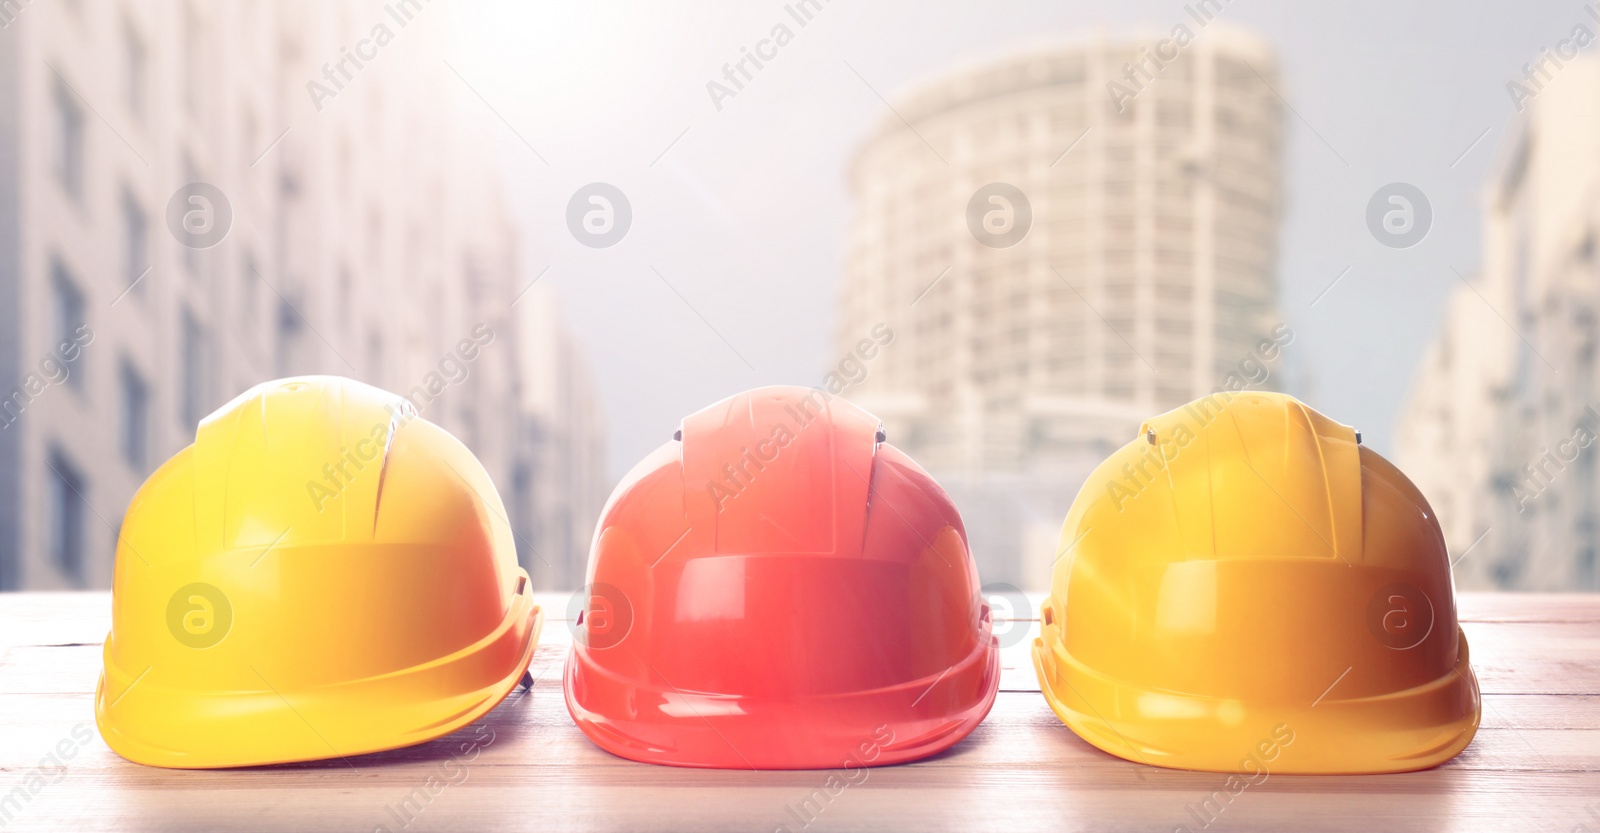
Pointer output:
375, 358
135, 418
249, 290
522, 511
346, 300
134, 62
193, 63
68, 140
64, 493
248, 129
71, 316
136, 239
191, 360
191, 255
288, 336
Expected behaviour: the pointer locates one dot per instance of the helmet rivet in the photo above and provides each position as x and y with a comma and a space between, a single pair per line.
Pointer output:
1150, 436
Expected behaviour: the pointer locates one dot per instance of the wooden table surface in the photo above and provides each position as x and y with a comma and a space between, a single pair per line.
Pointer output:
1535, 764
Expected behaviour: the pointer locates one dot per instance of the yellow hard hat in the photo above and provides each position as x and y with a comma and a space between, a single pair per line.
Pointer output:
321, 574
1246, 588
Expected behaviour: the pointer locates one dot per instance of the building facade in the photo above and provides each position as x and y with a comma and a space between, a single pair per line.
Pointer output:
1144, 277
353, 226
1499, 429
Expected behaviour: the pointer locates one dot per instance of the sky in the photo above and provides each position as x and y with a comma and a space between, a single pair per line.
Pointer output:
728, 276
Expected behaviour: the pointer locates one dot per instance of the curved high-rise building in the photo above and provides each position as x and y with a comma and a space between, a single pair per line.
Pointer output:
1028, 347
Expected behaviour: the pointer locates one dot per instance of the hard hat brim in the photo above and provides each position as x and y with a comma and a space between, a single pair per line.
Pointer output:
154, 724
891, 725
1401, 731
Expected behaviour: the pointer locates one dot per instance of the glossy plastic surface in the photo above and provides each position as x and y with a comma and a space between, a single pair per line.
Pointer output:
259, 619
1246, 588
781, 591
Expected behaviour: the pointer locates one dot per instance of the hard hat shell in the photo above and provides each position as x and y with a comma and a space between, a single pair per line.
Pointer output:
780, 589
1246, 588
320, 574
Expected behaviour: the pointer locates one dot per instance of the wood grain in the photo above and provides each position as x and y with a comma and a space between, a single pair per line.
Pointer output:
1535, 765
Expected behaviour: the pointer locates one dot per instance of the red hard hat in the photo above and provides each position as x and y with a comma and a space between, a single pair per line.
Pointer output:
780, 589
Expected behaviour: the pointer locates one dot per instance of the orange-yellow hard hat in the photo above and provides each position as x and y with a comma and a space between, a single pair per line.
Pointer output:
320, 574
1245, 587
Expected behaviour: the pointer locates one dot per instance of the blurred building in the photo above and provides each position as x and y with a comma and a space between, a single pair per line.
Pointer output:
367, 239
1145, 277
559, 483
1499, 428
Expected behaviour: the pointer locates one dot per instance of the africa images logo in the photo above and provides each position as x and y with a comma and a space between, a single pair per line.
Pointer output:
1399, 215
601, 616
599, 215
199, 615
199, 215
1400, 616
999, 215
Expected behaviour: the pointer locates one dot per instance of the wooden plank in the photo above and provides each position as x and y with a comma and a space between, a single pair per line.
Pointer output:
1508, 657
1021, 750
85, 616
53, 618
1535, 765
1527, 607
1020, 732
